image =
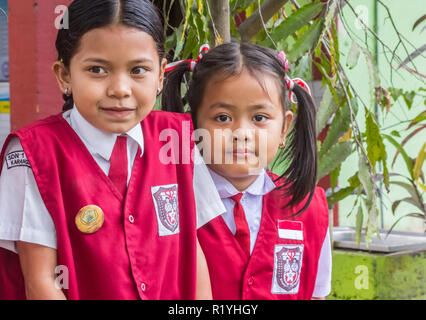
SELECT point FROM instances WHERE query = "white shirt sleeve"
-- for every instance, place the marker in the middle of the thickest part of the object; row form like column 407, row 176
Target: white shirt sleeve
column 207, row 200
column 323, row 281
column 23, row 215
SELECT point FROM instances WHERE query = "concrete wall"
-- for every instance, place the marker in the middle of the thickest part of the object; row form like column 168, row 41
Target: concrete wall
column 33, row 89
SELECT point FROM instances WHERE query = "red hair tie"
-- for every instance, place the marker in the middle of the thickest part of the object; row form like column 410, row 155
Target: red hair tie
column 290, row 82
column 192, row 63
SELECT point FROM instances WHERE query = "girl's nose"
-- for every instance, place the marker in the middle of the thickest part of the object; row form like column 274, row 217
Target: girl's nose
column 243, row 134
column 243, row 130
column 119, row 88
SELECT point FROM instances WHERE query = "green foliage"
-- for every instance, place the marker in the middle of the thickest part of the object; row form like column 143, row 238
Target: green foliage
column 296, row 21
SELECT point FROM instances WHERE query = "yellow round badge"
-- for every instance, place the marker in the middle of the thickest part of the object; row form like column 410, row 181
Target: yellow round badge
column 89, row 219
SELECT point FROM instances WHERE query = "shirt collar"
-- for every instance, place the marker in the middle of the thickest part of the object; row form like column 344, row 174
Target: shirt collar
column 261, row 186
column 99, row 141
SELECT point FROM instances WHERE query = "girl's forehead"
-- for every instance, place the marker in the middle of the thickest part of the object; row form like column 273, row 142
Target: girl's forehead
column 244, row 86
column 117, row 42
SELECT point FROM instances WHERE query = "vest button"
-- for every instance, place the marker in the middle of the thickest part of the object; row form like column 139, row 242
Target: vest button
column 143, row 286
column 250, row 281
column 131, row 219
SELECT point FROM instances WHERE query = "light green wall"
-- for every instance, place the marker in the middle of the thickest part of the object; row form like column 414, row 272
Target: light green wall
column 404, row 13
column 364, row 276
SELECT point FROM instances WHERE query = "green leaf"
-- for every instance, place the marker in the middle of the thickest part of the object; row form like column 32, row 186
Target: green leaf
column 413, row 215
column 419, row 118
column 413, row 202
column 308, row 40
column 297, row 20
column 404, row 154
column 327, row 108
column 338, row 127
column 408, row 187
column 333, row 158
column 353, row 55
column 395, row 93
column 408, row 98
column 370, row 199
column 279, row 165
column 373, row 74
column 395, row 133
column 376, row 150
column 419, row 162
column 358, row 224
column 179, row 43
column 334, row 176
column 339, row 195
column 304, row 68
column 354, row 181
column 190, row 43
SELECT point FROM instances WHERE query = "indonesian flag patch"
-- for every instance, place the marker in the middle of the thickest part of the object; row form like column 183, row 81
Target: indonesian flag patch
column 292, row 230
column 167, row 208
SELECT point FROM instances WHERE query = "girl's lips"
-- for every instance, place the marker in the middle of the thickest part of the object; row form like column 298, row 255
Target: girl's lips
column 241, row 153
column 118, row 111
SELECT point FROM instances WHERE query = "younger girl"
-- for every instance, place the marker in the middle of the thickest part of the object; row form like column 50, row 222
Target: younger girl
column 85, row 199
column 272, row 242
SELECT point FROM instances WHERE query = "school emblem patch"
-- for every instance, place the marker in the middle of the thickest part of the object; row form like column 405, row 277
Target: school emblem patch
column 167, row 208
column 287, row 266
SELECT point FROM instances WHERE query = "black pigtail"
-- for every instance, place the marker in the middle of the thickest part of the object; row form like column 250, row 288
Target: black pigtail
column 69, row 102
column 171, row 99
column 301, row 151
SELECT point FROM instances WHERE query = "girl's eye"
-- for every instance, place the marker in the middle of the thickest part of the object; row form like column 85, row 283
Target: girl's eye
column 138, row 70
column 259, row 118
column 223, row 118
column 97, row 69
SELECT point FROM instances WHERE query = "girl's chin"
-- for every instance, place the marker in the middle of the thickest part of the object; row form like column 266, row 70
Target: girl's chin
column 236, row 171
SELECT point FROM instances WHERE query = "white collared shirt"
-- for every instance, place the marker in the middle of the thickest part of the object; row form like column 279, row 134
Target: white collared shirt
column 23, row 214
column 252, row 204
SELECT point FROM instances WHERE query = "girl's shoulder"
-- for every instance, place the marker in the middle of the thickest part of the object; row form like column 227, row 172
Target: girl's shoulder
column 318, row 202
column 45, row 122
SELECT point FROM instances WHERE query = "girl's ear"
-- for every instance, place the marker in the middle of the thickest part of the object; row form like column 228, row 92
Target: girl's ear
column 62, row 76
column 162, row 71
column 288, row 119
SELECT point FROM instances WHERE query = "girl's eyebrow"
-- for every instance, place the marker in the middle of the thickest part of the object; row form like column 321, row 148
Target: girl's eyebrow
column 252, row 107
column 96, row 60
column 222, row 105
column 262, row 106
column 141, row 60
column 106, row 62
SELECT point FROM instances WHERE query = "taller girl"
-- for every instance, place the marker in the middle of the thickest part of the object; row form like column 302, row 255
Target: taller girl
column 85, row 200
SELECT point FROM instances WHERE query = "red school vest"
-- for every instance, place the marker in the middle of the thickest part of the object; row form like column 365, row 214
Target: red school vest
column 146, row 247
column 284, row 261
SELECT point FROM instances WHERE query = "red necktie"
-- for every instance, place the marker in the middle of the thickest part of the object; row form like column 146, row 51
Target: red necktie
column 118, row 169
column 243, row 233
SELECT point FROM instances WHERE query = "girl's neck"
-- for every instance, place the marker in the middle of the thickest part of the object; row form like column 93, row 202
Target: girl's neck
column 240, row 183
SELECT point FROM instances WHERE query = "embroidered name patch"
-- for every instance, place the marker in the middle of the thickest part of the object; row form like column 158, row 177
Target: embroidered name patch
column 287, row 266
column 290, row 229
column 167, row 208
column 17, row 159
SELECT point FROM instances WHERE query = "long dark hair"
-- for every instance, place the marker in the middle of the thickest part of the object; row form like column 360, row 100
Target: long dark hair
column 84, row 16
column 230, row 59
